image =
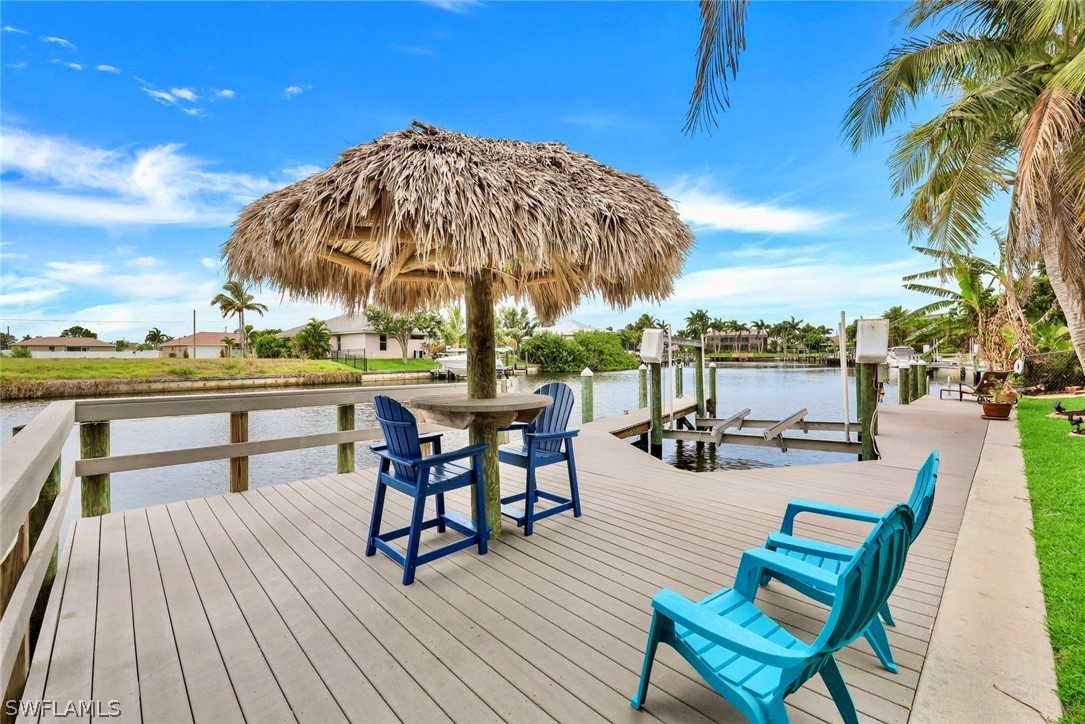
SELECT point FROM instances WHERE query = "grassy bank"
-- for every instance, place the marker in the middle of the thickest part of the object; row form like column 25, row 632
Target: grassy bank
column 47, row 378
column 1055, row 467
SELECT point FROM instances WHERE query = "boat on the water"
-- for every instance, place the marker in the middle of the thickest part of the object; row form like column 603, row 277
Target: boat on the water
column 453, row 364
column 901, row 355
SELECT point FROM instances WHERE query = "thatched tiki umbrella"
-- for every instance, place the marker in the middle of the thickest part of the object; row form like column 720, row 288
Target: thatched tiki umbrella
column 422, row 217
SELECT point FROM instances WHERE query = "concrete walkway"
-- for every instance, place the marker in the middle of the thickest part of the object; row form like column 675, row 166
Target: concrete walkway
column 990, row 658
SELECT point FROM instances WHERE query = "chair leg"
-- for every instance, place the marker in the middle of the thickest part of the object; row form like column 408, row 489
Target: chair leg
column 830, row 674
column 375, row 519
column 481, row 531
column 529, row 502
column 410, row 561
column 886, row 615
column 440, row 512
column 654, row 635
column 775, row 712
column 574, row 487
column 875, row 636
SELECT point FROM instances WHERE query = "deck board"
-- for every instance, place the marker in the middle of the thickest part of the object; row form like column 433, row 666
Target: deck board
column 261, row 606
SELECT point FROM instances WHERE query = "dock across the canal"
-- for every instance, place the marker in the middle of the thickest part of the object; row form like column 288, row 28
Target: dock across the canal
column 259, row 605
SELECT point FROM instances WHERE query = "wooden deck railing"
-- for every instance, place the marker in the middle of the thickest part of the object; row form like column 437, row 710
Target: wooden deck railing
column 34, row 490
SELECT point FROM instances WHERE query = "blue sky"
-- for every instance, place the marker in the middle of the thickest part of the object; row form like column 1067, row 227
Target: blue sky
column 134, row 132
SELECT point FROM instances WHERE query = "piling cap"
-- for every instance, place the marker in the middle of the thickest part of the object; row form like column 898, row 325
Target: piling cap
column 642, row 367
column 587, row 372
column 712, row 365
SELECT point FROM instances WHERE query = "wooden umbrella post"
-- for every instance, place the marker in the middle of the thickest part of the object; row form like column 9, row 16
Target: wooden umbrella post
column 482, row 384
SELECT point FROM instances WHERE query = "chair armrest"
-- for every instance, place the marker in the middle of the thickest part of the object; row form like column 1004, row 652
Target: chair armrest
column 542, row 436
column 463, row 452
column 777, row 541
column 725, row 633
column 515, row 426
column 382, row 451
column 828, row 509
column 756, row 561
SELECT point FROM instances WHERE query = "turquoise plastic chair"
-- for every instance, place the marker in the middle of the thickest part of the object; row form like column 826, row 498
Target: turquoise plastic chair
column 751, row 660
column 832, row 558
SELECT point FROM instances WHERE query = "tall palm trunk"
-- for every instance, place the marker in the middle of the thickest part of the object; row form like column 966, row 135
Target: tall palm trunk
column 1070, row 295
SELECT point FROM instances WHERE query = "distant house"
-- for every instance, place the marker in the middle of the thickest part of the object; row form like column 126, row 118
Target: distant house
column 569, row 327
column 351, row 334
column 65, row 344
column 204, row 345
column 736, row 340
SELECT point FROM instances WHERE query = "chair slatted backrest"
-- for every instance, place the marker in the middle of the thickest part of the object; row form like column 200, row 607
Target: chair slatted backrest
column 555, row 417
column 868, row 579
column 922, row 499
column 400, row 433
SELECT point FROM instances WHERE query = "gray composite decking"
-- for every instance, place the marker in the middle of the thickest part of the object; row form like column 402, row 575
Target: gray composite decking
column 261, row 606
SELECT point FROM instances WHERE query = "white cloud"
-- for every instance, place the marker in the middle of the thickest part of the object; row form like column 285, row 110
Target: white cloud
column 294, row 90
column 186, row 93
column 416, row 50
column 108, row 68
column 56, row 179
column 144, row 262
column 299, row 172
column 197, row 112
column 17, row 66
column 454, row 6
column 12, row 29
column 160, row 96
column 210, row 263
column 704, row 208
column 20, row 292
column 59, row 41
column 73, row 66
column 225, row 93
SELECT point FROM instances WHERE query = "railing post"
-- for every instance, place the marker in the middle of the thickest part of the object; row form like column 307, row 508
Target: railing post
column 655, row 443
column 699, row 381
column 904, row 383
column 10, row 571
column 712, row 389
column 919, row 380
column 239, row 467
column 587, row 395
column 94, row 489
column 642, row 397
column 345, row 463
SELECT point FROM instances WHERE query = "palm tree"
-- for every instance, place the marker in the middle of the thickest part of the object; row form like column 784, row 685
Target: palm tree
column 1015, row 76
column 787, row 329
column 760, row 326
column 455, row 326
column 236, row 300
column 697, row 323
column 156, row 337
column 313, row 340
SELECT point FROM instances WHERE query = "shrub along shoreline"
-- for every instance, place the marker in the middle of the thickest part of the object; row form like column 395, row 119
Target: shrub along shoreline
column 1055, row 469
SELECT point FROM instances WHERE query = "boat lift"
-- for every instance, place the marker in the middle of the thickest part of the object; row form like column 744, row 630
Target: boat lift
column 731, row 430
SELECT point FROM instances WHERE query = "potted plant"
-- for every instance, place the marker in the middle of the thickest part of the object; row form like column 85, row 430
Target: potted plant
column 1002, row 399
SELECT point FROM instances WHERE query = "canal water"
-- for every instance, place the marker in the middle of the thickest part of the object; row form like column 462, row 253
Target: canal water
column 770, row 391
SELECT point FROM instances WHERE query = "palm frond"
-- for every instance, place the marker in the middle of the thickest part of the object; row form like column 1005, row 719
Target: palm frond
column 723, row 38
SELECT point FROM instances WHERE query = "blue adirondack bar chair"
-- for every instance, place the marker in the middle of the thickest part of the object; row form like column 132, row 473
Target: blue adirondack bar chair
column 832, row 558
column 403, row 468
column 751, row 660
column 546, row 441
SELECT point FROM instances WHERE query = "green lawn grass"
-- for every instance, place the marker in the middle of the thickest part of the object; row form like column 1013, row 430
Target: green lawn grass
column 396, row 365
column 17, row 369
column 1055, row 467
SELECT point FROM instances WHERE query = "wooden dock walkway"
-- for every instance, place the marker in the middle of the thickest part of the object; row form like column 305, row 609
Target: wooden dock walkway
column 261, row 607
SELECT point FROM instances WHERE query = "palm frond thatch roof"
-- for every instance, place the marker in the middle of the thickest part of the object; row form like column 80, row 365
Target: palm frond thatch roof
column 405, row 220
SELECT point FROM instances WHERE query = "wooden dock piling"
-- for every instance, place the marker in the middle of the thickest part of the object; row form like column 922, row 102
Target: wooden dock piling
column 904, row 384
column 699, row 382
column 587, row 395
column 94, row 489
column 239, row 466
column 642, row 396
column 712, row 401
column 655, row 442
column 345, row 421
column 866, row 396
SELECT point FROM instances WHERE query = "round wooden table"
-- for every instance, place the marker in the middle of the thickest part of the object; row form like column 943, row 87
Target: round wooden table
column 482, row 416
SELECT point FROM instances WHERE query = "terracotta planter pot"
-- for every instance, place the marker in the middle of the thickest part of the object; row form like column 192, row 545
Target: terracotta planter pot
column 997, row 410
